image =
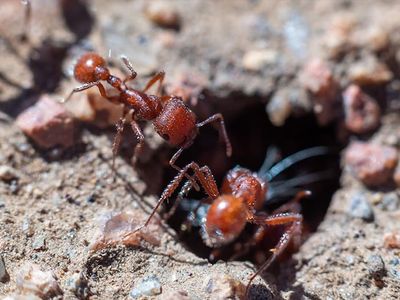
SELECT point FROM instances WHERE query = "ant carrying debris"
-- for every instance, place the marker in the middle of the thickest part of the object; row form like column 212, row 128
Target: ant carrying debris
column 242, row 198
column 171, row 118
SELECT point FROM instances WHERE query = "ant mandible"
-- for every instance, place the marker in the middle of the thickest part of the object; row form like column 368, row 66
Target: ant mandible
column 171, row 118
column 241, row 199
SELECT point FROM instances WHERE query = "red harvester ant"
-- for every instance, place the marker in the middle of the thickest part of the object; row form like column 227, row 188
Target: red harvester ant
column 171, row 118
column 241, row 199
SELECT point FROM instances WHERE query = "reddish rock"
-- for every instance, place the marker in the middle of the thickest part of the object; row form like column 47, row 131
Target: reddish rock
column 222, row 286
column 163, row 14
column 362, row 113
column 188, row 86
column 48, row 124
column 396, row 175
column 392, row 240
column 317, row 78
column 372, row 164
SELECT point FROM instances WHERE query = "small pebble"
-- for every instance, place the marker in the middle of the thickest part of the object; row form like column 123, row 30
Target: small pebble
column 395, row 273
column 4, row 277
column 39, row 243
column 362, row 113
column 32, row 280
column 360, row 207
column 390, row 202
column 224, row 287
column 150, row 286
column 163, row 13
column 91, row 198
column 48, row 124
column 296, row 33
column 79, row 286
column 7, row 173
column 279, row 108
column 371, row 163
column 14, row 187
column 350, row 259
column 376, row 266
column 27, row 227
column 317, row 78
column 369, row 71
column 257, row 60
column 391, row 240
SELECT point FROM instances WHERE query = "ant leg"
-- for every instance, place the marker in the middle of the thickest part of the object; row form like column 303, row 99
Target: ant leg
column 28, row 16
column 118, row 136
column 208, row 181
column 169, row 190
column 278, row 219
column 294, row 204
column 293, row 207
column 86, row 86
column 158, row 77
column 117, row 140
column 257, row 237
column 140, row 137
column 80, row 89
column 183, row 192
column 173, row 160
column 220, row 118
column 128, row 64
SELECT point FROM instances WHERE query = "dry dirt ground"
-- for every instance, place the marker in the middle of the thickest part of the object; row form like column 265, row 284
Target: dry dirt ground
column 51, row 211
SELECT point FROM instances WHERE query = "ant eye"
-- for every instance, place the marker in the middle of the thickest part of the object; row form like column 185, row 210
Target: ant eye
column 165, row 136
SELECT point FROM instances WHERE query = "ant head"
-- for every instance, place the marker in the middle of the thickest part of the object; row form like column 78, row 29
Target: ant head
column 225, row 220
column 90, row 67
column 246, row 185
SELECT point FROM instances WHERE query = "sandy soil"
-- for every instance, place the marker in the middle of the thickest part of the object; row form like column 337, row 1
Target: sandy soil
column 51, row 210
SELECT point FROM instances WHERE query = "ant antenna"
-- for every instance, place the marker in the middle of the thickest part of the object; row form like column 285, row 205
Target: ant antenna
column 291, row 160
column 283, row 188
column 270, row 158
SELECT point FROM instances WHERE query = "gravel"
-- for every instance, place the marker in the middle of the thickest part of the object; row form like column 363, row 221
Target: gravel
column 360, row 207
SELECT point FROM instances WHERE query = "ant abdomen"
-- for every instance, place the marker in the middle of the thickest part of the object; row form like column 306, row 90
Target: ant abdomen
column 90, row 68
column 226, row 218
column 176, row 123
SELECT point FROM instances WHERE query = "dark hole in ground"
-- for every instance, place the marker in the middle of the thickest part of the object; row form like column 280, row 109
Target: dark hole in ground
column 251, row 134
